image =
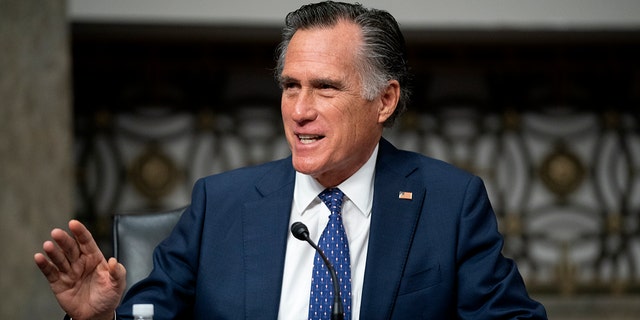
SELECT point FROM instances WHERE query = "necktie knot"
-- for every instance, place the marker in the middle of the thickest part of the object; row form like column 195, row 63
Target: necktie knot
column 332, row 197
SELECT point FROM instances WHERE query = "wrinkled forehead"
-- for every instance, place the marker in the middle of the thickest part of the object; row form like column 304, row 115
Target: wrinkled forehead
column 340, row 42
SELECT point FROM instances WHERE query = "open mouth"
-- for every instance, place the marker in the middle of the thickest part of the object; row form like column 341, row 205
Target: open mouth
column 309, row 138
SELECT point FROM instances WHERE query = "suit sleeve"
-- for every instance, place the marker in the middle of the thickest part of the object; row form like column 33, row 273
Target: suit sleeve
column 171, row 284
column 489, row 284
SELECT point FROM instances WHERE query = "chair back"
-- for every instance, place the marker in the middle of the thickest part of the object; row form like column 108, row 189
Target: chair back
column 135, row 236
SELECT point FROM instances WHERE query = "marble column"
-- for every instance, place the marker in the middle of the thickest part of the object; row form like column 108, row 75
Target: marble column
column 36, row 173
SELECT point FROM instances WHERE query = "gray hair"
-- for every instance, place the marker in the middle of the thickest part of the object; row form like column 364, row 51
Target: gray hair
column 383, row 54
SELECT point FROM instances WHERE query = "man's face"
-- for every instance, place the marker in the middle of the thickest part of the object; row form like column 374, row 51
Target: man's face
column 330, row 128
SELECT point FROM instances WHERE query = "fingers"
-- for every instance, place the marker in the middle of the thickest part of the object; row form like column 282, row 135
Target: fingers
column 84, row 239
column 67, row 248
column 66, row 251
column 46, row 267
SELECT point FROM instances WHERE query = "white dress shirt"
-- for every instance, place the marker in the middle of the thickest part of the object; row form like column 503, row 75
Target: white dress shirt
column 309, row 209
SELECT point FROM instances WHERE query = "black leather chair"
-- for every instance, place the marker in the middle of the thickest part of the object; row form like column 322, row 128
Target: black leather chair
column 135, row 236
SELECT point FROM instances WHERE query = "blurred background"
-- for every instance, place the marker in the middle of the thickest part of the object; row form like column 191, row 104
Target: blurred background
column 119, row 106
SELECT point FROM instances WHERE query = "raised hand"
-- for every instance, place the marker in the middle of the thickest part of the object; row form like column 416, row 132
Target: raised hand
column 86, row 285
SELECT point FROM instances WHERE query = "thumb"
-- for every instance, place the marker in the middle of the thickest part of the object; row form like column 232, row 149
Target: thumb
column 117, row 272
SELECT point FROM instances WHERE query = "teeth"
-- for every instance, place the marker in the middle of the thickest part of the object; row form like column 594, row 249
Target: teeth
column 305, row 138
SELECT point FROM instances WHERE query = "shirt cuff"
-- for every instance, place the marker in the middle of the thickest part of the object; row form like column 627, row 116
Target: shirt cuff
column 115, row 316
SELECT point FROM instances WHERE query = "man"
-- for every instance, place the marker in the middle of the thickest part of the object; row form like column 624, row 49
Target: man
column 422, row 237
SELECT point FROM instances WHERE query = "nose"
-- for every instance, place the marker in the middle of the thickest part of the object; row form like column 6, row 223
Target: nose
column 303, row 107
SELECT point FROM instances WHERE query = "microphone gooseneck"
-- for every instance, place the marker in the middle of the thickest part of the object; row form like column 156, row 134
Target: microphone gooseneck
column 301, row 232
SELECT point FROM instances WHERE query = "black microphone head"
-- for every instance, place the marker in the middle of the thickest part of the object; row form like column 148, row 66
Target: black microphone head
column 300, row 231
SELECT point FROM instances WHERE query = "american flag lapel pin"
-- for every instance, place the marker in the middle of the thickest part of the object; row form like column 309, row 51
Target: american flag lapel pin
column 405, row 195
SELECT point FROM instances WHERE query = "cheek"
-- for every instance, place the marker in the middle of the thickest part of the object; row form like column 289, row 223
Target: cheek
column 284, row 109
column 354, row 133
column 363, row 122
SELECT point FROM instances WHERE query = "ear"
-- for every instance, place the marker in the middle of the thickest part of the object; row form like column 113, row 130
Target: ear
column 389, row 100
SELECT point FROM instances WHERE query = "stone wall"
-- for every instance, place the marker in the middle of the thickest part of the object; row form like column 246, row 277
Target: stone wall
column 35, row 148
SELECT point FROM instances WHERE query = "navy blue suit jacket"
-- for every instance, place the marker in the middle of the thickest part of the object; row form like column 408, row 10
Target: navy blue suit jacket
column 435, row 256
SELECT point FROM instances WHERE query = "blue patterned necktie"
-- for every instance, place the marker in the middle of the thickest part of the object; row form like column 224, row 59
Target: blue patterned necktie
column 335, row 246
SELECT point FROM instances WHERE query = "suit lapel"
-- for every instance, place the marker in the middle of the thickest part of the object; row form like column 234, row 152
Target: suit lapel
column 265, row 233
column 393, row 221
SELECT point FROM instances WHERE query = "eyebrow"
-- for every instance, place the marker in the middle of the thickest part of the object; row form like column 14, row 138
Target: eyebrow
column 283, row 79
column 319, row 82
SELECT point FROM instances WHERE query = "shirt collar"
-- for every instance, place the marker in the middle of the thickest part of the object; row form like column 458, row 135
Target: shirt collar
column 307, row 188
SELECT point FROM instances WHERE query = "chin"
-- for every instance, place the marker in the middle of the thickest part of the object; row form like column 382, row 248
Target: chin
column 306, row 166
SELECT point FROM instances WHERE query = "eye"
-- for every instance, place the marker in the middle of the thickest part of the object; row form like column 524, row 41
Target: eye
column 288, row 83
column 326, row 86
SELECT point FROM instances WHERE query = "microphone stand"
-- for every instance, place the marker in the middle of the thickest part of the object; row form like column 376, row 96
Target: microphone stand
column 301, row 232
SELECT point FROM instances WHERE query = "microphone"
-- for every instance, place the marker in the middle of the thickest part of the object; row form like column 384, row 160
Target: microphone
column 301, row 232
